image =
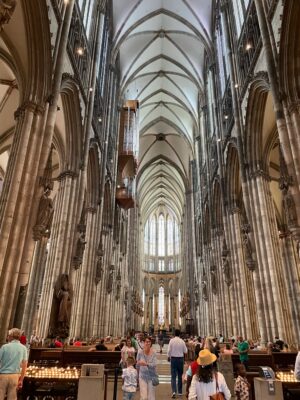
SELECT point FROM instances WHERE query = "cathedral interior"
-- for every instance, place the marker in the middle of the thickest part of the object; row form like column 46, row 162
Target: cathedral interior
column 150, row 167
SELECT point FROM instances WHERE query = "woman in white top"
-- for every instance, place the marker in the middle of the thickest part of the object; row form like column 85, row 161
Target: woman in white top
column 207, row 381
column 127, row 351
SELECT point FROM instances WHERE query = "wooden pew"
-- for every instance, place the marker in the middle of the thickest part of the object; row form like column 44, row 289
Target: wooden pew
column 74, row 357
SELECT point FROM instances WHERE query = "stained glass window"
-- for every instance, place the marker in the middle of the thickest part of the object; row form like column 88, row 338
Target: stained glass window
column 161, row 305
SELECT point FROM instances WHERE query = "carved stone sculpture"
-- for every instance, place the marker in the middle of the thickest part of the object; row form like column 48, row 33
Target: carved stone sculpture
column 204, row 290
column 80, row 247
column 7, row 7
column 110, row 279
column 213, row 277
column 64, row 296
column 247, row 245
column 290, row 209
column 44, row 216
column 99, row 270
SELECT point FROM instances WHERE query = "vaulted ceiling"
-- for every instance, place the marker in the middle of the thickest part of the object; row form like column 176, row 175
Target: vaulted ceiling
column 161, row 46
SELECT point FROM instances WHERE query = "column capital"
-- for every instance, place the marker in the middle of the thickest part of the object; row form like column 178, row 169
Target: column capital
column 260, row 173
column 30, row 106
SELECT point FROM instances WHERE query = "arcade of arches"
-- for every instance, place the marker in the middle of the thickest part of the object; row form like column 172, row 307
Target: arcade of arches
column 149, row 167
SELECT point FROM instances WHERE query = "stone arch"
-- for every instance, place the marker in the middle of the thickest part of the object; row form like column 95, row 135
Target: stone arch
column 289, row 53
column 258, row 97
column 31, row 21
column 73, row 124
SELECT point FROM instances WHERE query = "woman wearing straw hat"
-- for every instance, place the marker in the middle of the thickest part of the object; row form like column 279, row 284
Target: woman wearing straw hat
column 207, row 381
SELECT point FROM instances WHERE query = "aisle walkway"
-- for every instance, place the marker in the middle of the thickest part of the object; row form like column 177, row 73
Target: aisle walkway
column 163, row 390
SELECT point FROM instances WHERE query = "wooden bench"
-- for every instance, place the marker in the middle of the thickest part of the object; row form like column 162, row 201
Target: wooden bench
column 73, row 357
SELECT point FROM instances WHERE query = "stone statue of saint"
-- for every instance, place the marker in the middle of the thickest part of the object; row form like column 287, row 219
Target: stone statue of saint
column 226, row 270
column 213, row 276
column 80, row 247
column 204, row 290
column 64, row 296
column 110, row 279
column 99, row 269
column 44, row 216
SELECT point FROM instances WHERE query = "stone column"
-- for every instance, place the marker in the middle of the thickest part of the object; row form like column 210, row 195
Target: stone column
column 287, row 139
column 16, row 199
column 61, row 246
column 35, row 286
column 81, row 312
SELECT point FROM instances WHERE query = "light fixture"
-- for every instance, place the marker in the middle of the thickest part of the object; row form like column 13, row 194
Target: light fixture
column 99, row 119
column 248, row 46
column 80, row 51
column 236, row 85
column 225, row 116
column 90, row 89
column 219, row 140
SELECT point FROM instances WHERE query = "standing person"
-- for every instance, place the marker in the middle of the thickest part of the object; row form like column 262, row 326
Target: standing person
column 241, row 386
column 129, row 377
column 127, row 351
column 176, row 351
column 243, row 349
column 34, row 339
column 146, row 364
column 140, row 342
column 160, row 338
column 13, row 364
column 23, row 339
column 207, row 381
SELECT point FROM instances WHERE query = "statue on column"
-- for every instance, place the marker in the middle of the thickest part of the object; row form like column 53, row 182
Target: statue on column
column 204, row 290
column 42, row 227
column 247, row 245
column 110, row 279
column 80, row 247
column 213, row 277
column 7, row 7
column 227, row 271
column 44, row 216
column 64, row 295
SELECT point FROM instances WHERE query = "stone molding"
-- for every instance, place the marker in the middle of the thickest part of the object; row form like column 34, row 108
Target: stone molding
column 67, row 173
column 30, row 106
column 260, row 173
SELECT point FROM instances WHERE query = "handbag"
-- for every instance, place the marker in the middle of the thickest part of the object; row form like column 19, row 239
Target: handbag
column 153, row 375
column 218, row 395
column 155, row 379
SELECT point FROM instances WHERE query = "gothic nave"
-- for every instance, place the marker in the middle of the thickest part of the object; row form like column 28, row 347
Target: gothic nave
column 150, row 168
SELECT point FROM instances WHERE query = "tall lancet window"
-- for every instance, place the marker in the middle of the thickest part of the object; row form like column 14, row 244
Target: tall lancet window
column 161, row 235
column 161, row 305
column 146, row 238
column 176, row 233
column 170, row 235
column 153, row 236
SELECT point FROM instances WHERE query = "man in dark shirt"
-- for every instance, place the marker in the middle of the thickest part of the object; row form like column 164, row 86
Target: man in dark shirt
column 279, row 343
column 101, row 346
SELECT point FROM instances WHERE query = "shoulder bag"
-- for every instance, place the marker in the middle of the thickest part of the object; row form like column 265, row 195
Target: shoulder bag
column 153, row 374
column 218, row 395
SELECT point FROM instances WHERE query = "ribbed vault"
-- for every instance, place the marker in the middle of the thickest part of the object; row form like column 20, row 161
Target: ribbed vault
column 161, row 46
